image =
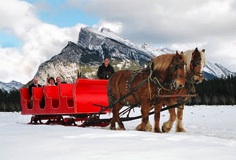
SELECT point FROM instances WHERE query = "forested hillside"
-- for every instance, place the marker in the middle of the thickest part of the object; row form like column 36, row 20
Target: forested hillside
column 10, row 101
column 216, row 92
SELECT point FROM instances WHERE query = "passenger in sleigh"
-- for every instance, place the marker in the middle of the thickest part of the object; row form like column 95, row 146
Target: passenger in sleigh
column 59, row 81
column 105, row 70
column 31, row 86
column 34, row 84
column 51, row 82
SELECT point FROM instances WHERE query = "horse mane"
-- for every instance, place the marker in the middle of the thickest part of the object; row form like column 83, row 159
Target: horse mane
column 203, row 57
column 188, row 56
column 161, row 64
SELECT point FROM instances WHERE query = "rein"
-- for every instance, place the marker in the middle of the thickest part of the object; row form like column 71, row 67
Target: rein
column 127, row 118
column 177, row 105
column 156, row 81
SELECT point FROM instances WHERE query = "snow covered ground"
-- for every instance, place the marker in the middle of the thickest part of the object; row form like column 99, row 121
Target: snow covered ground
column 211, row 134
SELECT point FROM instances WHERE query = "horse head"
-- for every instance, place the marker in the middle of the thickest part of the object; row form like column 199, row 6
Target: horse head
column 169, row 69
column 177, row 71
column 195, row 63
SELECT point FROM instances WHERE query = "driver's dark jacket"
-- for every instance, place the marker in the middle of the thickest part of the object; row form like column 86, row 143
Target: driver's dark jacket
column 105, row 72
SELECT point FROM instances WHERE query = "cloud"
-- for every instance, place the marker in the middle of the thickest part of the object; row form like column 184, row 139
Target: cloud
column 41, row 41
column 164, row 17
column 181, row 24
column 116, row 27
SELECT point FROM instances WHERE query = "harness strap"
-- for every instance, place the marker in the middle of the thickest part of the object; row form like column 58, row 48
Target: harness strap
column 128, row 94
column 131, row 81
column 190, row 82
column 177, row 105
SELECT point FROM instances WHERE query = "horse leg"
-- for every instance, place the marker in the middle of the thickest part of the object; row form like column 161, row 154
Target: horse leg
column 113, row 124
column 157, row 118
column 179, row 125
column 148, row 127
column 166, row 127
column 145, row 117
column 117, row 117
column 115, row 113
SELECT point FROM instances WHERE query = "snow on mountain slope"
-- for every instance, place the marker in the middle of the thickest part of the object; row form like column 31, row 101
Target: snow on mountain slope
column 218, row 70
column 13, row 85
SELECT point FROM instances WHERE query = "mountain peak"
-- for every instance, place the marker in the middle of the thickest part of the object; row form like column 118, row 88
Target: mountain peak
column 92, row 46
column 13, row 85
column 218, row 70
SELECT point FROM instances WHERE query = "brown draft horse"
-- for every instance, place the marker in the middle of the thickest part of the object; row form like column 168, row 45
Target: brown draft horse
column 195, row 62
column 166, row 72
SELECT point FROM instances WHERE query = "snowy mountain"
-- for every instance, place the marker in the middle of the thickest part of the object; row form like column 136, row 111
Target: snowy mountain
column 92, row 46
column 13, row 85
column 215, row 70
column 88, row 54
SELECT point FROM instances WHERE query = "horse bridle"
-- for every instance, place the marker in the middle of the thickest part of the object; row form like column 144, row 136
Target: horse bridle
column 190, row 77
column 172, row 83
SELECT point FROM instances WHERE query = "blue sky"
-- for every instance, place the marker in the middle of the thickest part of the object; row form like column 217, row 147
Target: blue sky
column 56, row 12
column 32, row 31
column 9, row 40
column 59, row 13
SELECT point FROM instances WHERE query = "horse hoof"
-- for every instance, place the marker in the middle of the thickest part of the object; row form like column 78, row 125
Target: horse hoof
column 148, row 127
column 112, row 128
column 157, row 130
column 180, row 130
column 138, row 127
column 164, row 129
column 122, row 128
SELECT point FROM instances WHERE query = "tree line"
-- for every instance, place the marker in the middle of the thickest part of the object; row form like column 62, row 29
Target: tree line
column 216, row 92
column 10, row 101
column 210, row 92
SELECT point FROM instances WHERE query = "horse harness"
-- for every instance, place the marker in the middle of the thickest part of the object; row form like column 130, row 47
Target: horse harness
column 190, row 75
column 130, row 91
column 148, row 79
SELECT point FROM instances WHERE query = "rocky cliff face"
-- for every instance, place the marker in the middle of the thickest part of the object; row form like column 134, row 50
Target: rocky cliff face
column 88, row 54
column 109, row 44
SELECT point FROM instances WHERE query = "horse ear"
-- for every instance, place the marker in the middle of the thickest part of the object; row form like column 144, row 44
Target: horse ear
column 203, row 50
column 177, row 53
column 196, row 49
